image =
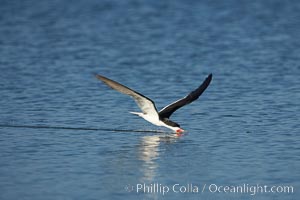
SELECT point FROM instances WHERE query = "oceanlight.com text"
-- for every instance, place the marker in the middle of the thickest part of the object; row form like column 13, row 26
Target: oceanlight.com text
column 164, row 189
column 249, row 189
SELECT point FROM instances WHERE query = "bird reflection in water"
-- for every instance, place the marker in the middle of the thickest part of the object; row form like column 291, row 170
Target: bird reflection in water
column 149, row 151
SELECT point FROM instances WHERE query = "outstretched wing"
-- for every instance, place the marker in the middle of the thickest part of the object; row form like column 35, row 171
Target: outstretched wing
column 167, row 111
column 145, row 104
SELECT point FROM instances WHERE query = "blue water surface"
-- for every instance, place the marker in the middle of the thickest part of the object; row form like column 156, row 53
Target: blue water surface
column 65, row 135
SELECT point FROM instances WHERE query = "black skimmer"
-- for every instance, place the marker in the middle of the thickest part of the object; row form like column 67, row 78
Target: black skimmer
column 149, row 111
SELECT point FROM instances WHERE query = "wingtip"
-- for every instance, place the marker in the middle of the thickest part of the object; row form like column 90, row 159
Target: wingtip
column 98, row 76
column 209, row 77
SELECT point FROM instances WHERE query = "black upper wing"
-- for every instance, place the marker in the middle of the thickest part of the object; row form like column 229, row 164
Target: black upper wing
column 167, row 111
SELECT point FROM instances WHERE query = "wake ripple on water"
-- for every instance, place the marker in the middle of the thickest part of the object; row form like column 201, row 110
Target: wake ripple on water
column 80, row 128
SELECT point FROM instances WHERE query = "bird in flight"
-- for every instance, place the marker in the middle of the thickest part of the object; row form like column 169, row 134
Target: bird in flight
column 148, row 108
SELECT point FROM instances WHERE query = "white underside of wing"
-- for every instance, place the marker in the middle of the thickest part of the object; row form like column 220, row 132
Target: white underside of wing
column 145, row 105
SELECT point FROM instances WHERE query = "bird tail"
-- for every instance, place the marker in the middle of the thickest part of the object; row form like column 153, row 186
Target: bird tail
column 136, row 113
